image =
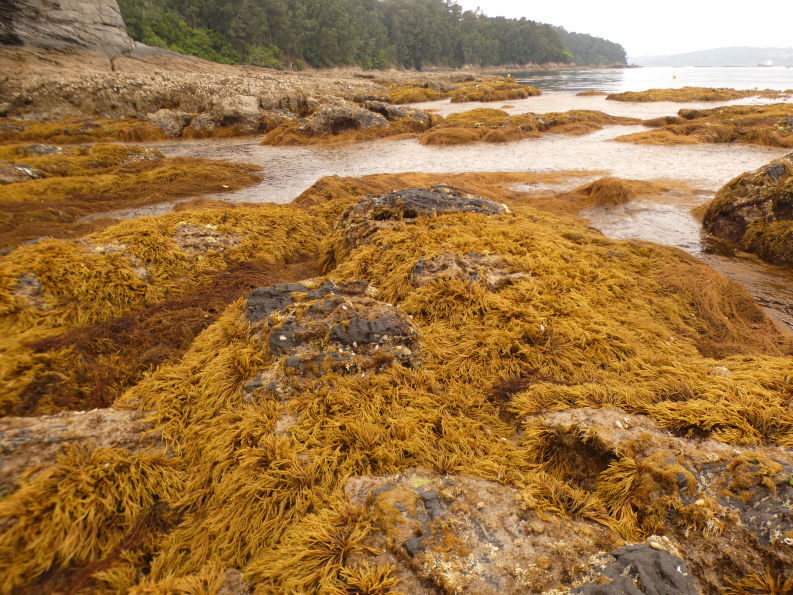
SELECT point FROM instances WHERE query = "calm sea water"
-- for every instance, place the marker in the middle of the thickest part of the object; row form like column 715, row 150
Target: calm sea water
column 639, row 79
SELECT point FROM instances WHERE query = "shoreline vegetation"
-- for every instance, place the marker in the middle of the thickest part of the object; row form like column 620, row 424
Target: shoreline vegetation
column 373, row 35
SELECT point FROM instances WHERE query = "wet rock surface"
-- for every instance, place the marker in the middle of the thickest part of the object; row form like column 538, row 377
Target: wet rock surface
column 455, row 534
column 640, row 569
column 34, row 442
column 313, row 328
column 338, row 115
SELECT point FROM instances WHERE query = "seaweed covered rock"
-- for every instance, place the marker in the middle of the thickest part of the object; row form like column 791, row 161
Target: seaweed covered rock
column 549, row 401
column 682, row 94
column 459, row 534
column 497, row 126
column 338, row 115
column 726, row 508
column 312, row 328
column 375, row 212
column 11, row 173
column 389, row 111
column 34, row 443
column 490, row 269
column 755, row 211
column 766, row 125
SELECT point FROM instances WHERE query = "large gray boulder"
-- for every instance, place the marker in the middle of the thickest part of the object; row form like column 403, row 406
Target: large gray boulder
column 171, row 122
column 238, row 110
column 90, row 24
column 338, row 115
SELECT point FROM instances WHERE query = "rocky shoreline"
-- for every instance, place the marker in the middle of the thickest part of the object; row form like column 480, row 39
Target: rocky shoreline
column 404, row 383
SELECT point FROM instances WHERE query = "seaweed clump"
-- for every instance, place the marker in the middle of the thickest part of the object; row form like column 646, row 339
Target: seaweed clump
column 755, row 211
column 766, row 125
column 691, row 94
column 92, row 179
column 497, row 126
column 84, row 319
column 503, row 89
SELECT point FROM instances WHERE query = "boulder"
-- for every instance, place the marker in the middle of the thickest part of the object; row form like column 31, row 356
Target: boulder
column 238, row 110
column 338, row 115
column 458, row 534
column 359, row 223
column 755, row 211
column 91, row 24
column 725, row 509
column 170, row 121
column 15, row 172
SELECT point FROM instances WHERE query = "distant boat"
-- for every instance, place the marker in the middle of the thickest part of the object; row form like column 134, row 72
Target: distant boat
column 766, row 63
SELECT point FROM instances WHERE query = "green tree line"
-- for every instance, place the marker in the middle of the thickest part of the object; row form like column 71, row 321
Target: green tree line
column 369, row 33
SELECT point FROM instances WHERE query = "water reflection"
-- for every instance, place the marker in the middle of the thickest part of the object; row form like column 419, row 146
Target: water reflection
column 613, row 80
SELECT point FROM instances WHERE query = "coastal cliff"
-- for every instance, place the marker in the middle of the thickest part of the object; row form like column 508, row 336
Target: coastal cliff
column 90, row 24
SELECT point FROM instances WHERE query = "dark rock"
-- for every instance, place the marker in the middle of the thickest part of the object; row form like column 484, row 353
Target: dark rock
column 338, row 115
column 14, row 172
column 310, row 329
column 265, row 300
column 391, row 112
column 413, row 546
column 640, row 569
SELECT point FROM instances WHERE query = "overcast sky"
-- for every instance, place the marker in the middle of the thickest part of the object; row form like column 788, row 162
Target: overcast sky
column 669, row 27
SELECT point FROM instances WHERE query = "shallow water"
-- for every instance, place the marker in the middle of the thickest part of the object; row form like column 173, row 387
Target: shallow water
column 562, row 101
column 616, row 80
column 672, row 224
column 291, row 170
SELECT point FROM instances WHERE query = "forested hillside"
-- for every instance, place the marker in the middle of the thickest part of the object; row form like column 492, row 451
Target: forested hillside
column 589, row 50
column 369, row 33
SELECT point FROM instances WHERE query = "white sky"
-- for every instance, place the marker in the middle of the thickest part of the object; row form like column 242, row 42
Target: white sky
column 650, row 28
